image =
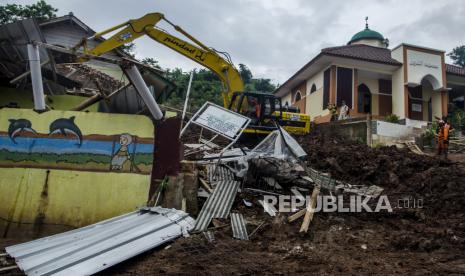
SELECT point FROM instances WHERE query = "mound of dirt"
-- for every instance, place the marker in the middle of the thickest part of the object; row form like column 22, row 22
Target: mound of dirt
column 439, row 182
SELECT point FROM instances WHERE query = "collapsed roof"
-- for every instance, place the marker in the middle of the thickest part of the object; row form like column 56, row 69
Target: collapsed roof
column 64, row 77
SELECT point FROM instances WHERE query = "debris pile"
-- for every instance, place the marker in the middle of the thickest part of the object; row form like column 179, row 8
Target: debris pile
column 93, row 80
column 428, row 238
column 439, row 182
column 238, row 231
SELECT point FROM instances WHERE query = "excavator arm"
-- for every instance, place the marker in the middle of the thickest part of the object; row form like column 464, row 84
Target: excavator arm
column 133, row 29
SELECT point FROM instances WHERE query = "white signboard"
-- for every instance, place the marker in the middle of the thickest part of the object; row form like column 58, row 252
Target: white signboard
column 422, row 64
column 416, row 107
column 221, row 120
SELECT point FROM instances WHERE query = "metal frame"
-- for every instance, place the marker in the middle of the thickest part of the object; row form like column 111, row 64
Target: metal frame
column 203, row 108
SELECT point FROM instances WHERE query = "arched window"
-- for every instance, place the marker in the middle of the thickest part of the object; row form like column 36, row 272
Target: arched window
column 364, row 99
column 313, row 89
column 298, row 96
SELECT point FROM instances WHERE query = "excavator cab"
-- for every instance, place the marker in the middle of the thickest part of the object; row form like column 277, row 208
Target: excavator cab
column 265, row 110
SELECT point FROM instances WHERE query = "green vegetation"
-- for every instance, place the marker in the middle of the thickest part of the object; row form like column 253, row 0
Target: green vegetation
column 206, row 86
column 392, row 118
column 429, row 135
column 12, row 12
column 457, row 120
column 458, row 55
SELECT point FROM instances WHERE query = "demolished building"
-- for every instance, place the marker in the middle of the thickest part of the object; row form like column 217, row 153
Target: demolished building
column 71, row 165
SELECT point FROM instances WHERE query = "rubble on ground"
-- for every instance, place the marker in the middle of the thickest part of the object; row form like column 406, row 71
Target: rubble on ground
column 419, row 240
column 238, row 236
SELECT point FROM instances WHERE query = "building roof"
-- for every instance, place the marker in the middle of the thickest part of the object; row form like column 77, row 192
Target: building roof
column 455, row 70
column 366, row 34
column 90, row 249
column 65, row 18
column 357, row 52
column 363, row 52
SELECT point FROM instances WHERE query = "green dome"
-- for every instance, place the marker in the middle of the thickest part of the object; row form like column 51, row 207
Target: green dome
column 367, row 34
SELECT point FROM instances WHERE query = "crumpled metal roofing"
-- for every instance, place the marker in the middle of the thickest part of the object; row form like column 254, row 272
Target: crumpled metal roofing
column 238, row 226
column 218, row 204
column 93, row 248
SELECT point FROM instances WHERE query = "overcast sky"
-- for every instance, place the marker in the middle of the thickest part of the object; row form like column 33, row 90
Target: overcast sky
column 276, row 38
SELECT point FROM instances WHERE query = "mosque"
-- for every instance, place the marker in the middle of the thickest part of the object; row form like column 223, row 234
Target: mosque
column 414, row 82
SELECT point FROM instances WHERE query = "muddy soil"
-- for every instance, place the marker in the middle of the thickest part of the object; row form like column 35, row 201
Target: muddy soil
column 440, row 182
column 416, row 241
column 384, row 244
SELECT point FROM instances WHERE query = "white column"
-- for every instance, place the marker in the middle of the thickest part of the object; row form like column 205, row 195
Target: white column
column 36, row 77
column 187, row 99
column 136, row 79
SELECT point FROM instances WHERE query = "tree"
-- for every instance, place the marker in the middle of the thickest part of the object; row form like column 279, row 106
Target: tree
column 151, row 62
column 129, row 48
column 458, row 56
column 245, row 72
column 12, row 12
column 264, row 85
column 206, row 86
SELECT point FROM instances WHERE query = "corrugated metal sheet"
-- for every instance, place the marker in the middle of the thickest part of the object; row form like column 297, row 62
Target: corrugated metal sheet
column 98, row 246
column 218, row 205
column 272, row 183
column 238, row 226
column 221, row 173
column 13, row 40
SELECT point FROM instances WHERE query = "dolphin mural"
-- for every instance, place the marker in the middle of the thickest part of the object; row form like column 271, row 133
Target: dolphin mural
column 65, row 126
column 18, row 125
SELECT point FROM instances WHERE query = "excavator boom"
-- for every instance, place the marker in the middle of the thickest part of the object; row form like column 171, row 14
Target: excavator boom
column 199, row 53
column 208, row 57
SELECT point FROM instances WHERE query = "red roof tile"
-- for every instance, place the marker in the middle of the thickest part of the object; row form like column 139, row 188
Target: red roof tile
column 455, row 70
column 362, row 52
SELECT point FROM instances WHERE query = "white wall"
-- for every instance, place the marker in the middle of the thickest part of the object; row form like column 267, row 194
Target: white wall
column 286, row 98
column 392, row 130
column 314, row 101
column 370, row 42
column 421, row 64
column 398, row 99
column 415, row 123
column 436, row 105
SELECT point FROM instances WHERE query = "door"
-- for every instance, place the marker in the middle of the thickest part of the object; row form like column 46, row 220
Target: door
column 364, row 99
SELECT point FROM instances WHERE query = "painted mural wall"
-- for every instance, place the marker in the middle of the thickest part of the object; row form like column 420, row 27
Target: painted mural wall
column 74, row 141
column 71, row 168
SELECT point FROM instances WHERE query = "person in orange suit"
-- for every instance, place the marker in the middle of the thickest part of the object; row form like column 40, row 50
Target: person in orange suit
column 443, row 137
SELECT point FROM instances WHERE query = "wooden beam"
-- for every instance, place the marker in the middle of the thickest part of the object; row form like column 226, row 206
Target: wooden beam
column 25, row 74
column 117, row 91
column 88, row 102
column 310, row 210
column 332, row 84
column 96, row 98
column 296, row 215
column 3, row 269
column 205, row 185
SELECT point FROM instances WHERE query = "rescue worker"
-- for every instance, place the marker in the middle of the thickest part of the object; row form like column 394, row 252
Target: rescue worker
column 443, row 137
column 254, row 110
column 344, row 111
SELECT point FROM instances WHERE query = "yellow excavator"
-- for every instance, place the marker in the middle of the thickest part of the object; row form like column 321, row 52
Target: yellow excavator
column 263, row 108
